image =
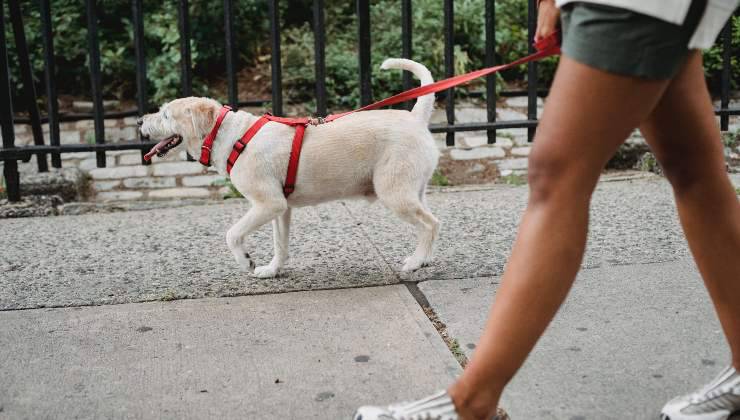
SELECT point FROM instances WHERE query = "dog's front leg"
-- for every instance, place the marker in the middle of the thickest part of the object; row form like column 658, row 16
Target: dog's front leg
column 280, row 235
column 257, row 216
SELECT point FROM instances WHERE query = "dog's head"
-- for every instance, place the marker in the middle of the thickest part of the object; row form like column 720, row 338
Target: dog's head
column 184, row 120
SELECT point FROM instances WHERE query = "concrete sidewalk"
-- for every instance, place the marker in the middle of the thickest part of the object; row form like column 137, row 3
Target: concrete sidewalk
column 636, row 330
column 306, row 355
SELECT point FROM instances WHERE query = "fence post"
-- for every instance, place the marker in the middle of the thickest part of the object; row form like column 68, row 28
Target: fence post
column 95, row 78
column 490, row 29
column 724, row 119
column 24, row 61
column 449, row 28
column 183, row 23
column 531, row 70
column 10, row 169
column 407, row 43
column 363, row 31
column 137, row 11
column 276, row 67
column 50, row 79
column 230, row 58
column 319, row 43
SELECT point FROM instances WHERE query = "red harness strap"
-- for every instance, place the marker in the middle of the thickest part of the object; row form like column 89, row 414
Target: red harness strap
column 295, row 151
column 205, row 149
column 545, row 47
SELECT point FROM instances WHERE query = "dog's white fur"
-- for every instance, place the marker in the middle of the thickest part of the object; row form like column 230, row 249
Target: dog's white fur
column 385, row 154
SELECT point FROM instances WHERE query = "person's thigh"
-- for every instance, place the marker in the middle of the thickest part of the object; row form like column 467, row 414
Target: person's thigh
column 588, row 114
column 682, row 130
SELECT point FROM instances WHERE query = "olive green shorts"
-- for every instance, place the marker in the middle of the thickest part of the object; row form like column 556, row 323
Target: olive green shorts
column 625, row 42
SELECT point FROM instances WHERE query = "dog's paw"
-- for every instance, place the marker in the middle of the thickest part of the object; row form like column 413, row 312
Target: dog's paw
column 265, row 272
column 413, row 263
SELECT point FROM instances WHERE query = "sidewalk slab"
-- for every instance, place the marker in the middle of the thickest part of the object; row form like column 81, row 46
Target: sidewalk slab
column 305, row 355
column 632, row 222
column 627, row 340
column 164, row 254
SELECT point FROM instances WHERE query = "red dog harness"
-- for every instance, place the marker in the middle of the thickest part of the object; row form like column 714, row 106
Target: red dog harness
column 545, row 47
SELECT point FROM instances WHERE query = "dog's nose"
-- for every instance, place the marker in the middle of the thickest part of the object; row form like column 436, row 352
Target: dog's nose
column 140, row 121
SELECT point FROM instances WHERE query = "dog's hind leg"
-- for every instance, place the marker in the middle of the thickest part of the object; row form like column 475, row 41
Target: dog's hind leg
column 406, row 203
column 258, row 215
column 280, row 236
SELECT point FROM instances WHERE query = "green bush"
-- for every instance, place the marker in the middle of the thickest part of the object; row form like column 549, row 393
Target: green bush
column 428, row 46
column 162, row 44
column 252, row 31
column 713, row 59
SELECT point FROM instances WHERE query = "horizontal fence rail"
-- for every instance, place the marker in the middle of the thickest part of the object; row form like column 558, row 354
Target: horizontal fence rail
column 10, row 153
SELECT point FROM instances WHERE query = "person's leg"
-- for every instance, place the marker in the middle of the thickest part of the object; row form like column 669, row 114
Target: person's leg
column 683, row 134
column 588, row 114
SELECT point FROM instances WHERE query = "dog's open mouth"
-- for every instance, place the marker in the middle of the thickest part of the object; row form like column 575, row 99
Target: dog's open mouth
column 164, row 146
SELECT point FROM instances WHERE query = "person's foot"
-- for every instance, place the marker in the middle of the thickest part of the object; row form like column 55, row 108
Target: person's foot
column 717, row 400
column 434, row 407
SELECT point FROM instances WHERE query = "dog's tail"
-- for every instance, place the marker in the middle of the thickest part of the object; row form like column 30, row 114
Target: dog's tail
column 425, row 104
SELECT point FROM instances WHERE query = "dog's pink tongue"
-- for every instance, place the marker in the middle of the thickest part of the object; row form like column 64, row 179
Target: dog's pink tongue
column 157, row 147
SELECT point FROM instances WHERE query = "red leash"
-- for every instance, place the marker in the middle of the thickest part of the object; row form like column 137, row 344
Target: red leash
column 545, row 47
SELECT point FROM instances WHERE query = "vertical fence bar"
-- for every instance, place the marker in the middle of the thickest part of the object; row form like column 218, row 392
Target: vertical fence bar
column 27, row 76
column 49, row 78
column 95, row 78
column 230, row 56
column 490, row 62
column 319, row 44
column 407, row 43
column 449, row 28
column 10, row 168
column 183, row 23
column 363, row 32
column 531, row 69
column 277, row 70
column 137, row 10
column 724, row 119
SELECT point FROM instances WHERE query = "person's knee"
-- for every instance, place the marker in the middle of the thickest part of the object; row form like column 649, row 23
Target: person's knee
column 682, row 173
column 552, row 175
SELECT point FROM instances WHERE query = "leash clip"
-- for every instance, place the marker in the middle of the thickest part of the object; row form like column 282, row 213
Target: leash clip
column 316, row 121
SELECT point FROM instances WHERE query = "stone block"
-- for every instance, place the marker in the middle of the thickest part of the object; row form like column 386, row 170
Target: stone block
column 114, row 134
column 469, row 142
column 149, row 182
column 69, row 137
column 110, row 122
column 513, row 164
column 21, row 129
column 200, row 181
column 92, row 163
column 521, row 151
column 485, row 152
column 130, row 121
column 105, row 185
column 77, row 155
column 119, row 195
column 504, row 142
column 180, row 193
column 85, row 125
column 130, row 158
column 177, row 168
column 521, row 102
column 119, row 172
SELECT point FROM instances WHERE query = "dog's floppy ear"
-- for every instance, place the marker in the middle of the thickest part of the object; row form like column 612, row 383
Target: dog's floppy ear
column 203, row 115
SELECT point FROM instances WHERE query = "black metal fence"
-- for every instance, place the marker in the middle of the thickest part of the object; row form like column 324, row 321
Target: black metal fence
column 11, row 154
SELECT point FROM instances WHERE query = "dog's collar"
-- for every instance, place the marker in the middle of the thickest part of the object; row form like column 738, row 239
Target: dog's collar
column 207, row 147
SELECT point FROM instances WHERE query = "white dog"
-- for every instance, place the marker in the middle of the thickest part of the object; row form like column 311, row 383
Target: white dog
column 384, row 154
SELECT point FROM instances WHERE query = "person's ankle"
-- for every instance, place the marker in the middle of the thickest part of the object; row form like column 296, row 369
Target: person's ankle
column 473, row 404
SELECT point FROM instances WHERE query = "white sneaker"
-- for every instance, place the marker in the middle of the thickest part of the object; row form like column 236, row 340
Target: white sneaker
column 718, row 400
column 435, row 407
